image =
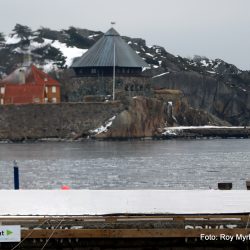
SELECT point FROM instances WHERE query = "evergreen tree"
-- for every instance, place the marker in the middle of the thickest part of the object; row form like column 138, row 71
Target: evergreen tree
column 24, row 32
column 2, row 39
column 75, row 39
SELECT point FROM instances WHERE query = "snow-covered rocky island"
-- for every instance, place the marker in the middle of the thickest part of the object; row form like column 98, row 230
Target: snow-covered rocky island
column 155, row 91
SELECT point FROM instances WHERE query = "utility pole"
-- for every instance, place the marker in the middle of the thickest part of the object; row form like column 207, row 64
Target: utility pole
column 114, row 75
column 113, row 23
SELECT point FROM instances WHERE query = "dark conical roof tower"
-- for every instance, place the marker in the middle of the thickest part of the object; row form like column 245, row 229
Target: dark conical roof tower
column 101, row 54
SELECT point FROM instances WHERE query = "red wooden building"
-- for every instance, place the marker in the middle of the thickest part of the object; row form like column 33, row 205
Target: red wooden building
column 29, row 85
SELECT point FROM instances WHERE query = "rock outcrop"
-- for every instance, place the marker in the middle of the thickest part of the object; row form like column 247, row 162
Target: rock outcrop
column 225, row 100
column 147, row 117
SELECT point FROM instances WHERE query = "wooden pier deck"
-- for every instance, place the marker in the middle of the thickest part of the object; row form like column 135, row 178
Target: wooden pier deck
column 127, row 219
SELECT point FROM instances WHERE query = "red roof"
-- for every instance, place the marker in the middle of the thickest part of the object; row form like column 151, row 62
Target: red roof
column 30, row 75
column 23, row 93
column 37, row 76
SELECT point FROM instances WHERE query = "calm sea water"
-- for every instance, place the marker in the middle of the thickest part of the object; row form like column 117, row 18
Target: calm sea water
column 171, row 164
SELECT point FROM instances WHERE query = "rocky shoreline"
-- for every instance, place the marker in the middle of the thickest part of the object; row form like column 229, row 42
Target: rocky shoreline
column 205, row 132
column 137, row 118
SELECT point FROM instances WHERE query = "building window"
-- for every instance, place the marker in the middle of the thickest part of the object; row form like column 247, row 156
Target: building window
column 1, row 101
column 2, row 90
column 93, row 71
column 45, row 100
column 53, row 89
column 46, row 89
column 54, row 100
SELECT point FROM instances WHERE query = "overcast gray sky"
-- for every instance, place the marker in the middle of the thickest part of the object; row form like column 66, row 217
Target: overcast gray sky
column 212, row 28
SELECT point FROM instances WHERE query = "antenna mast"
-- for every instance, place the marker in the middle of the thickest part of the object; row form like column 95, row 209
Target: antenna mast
column 113, row 23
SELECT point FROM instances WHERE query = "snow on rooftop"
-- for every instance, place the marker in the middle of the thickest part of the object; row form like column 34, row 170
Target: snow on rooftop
column 103, row 202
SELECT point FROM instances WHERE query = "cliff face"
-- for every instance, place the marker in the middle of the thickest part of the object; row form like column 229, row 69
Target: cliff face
column 225, row 100
column 147, row 117
column 141, row 118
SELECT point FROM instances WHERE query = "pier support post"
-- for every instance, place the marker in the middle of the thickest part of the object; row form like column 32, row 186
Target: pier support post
column 16, row 176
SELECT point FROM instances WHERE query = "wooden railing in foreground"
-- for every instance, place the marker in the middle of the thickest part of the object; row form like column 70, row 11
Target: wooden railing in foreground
column 132, row 226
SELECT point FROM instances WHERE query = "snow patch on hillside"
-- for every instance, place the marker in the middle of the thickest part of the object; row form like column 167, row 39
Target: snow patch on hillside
column 165, row 73
column 12, row 39
column 69, row 52
column 104, row 128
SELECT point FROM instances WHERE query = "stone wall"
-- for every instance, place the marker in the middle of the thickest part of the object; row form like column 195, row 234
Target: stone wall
column 78, row 87
column 65, row 120
column 134, row 118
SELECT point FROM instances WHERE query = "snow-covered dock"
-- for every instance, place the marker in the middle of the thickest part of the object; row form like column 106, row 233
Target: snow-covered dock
column 206, row 131
column 73, row 218
column 108, row 202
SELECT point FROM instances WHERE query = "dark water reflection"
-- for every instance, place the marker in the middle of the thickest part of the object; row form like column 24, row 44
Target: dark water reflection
column 173, row 164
